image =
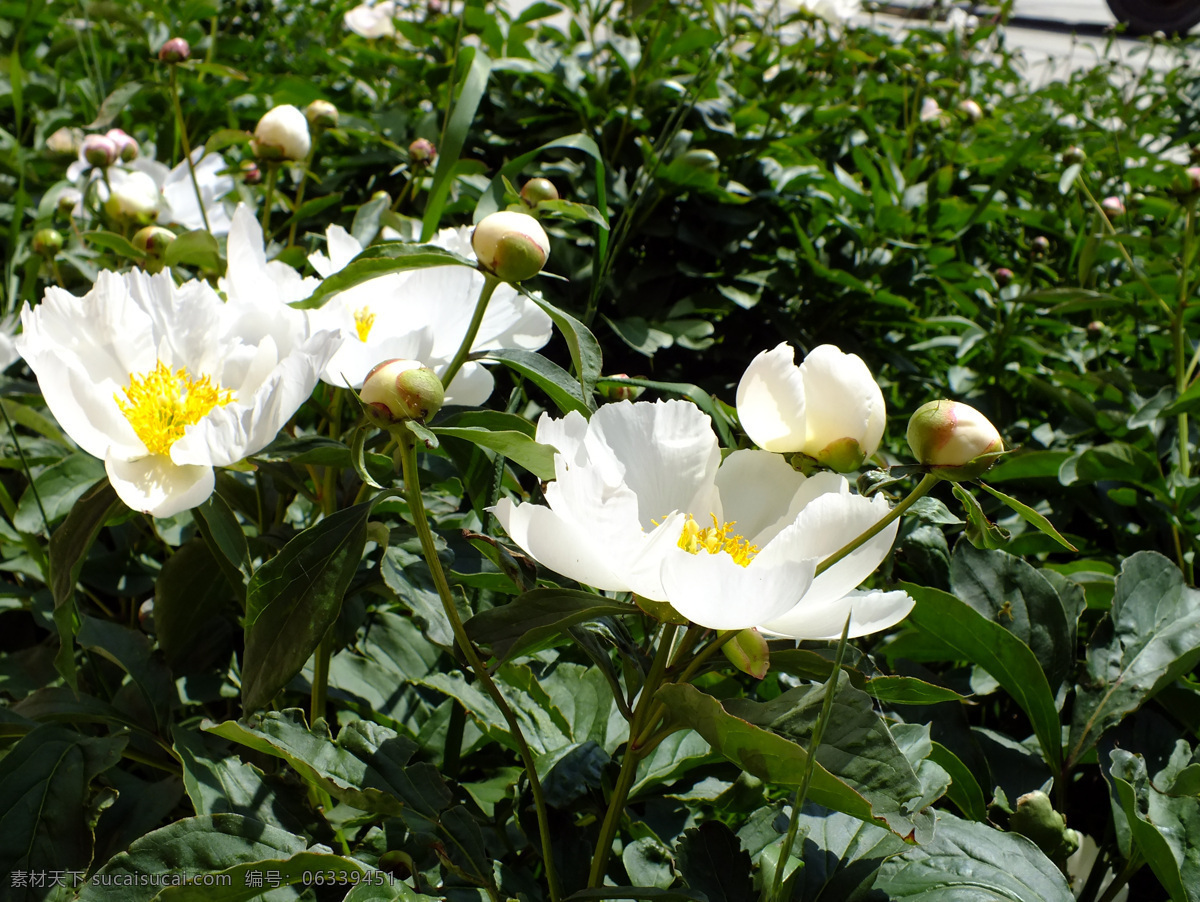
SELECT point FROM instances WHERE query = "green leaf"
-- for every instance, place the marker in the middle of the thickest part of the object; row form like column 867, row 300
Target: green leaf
column 46, row 802
column 585, row 350
column 964, row 791
column 636, row 894
column 1150, row 638
column 58, row 487
column 189, row 848
column 1164, row 826
column 981, row 532
column 711, row 861
column 1067, row 180
column 970, row 861
column 1008, row 591
column 518, row 447
column 389, row 890
column 892, row 690
column 191, row 598
column 68, row 547
column 561, row 387
column 222, row 531
column 492, row 198
column 111, row 241
column 198, row 249
column 226, row 137
column 243, row 882
column 565, row 209
column 294, row 598
column 378, row 260
column 1001, row 654
column 367, row 767
column 111, row 108
column 648, row 863
column 526, row 622
column 1030, row 515
column 474, row 85
column 366, row 219
column 884, row 787
column 133, row 652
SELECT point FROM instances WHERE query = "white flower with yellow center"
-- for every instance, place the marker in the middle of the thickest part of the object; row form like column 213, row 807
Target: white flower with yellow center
column 423, row 315
column 165, row 382
column 642, row 503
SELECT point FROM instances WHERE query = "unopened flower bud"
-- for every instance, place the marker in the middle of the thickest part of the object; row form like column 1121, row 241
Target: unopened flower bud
column 321, row 114
column 512, row 246
column 1036, row 819
column 422, row 151
column 1193, row 177
column 701, row 159
column 251, row 174
column 1004, row 276
column 1095, row 329
column 382, row 196
column 1040, row 245
column 175, row 50
column 613, row 391
column 127, row 146
column 399, row 390
column 100, row 150
column 146, row 616
column 1073, row 155
column 954, row 439
column 153, row 240
column 535, row 191
column 47, row 242
column 971, row 110
column 281, row 134
column 135, row 198
column 748, row 652
column 1112, row 205
column 65, row 141
column 67, row 201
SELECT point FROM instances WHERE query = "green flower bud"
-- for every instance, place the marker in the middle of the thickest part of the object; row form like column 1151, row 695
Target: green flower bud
column 399, row 390
column 842, row 456
column 512, row 246
column 534, row 191
column 47, row 242
column 321, row 114
column 1036, row 819
column 701, row 159
column 153, row 241
column 748, row 652
column 953, row 439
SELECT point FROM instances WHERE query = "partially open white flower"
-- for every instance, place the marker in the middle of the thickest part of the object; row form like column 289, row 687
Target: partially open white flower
column 372, row 20
column 281, row 134
column 165, row 382
column 829, row 407
column 642, row 503
column 423, row 315
column 134, row 197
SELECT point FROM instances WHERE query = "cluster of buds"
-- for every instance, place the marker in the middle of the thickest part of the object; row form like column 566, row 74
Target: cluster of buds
column 511, row 246
column 105, row 150
column 954, row 440
column 281, row 134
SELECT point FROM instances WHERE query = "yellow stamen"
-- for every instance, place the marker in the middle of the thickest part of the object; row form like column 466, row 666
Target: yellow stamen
column 162, row 403
column 715, row 539
column 364, row 319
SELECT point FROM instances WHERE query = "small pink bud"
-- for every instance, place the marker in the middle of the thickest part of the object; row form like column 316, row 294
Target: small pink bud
column 1112, row 205
column 1193, row 174
column 176, row 50
column 971, row 110
column 251, row 174
column 422, row 151
column 1004, row 276
column 127, row 146
column 100, row 150
column 1040, row 245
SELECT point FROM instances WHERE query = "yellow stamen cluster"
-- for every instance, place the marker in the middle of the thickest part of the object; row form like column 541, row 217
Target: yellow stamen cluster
column 715, row 539
column 364, row 319
column 162, row 403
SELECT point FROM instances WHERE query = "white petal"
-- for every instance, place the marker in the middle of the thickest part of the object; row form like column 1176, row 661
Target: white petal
column 869, row 612
column 666, row 452
column 566, row 434
column 471, row 386
column 157, row 486
column 343, row 247
column 756, row 489
column 771, row 401
column 558, row 544
column 843, row 401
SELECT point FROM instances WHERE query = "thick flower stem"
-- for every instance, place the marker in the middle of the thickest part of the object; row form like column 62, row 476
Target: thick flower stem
column 490, row 283
column 416, row 504
column 272, row 173
column 923, row 487
column 181, row 130
column 633, row 756
column 809, row 764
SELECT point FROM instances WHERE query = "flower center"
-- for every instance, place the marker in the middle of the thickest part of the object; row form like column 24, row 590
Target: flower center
column 715, row 539
column 364, row 319
column 162, row 403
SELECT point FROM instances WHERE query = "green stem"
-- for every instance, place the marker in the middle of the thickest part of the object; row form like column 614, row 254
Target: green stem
column 810, row 762
column 633, row 755
column 1133, row 267
column 181, row 130
column 460, row 357
column 1178, row 335
column 272, row 172
column 416, row 504
column 308, row 162
column 923, row 487
column 320, row 683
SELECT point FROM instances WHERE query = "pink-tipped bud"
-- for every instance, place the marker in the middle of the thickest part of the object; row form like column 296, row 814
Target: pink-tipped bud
column 399, row 390
column 1193, row 176
column 175, row 50
column 1112, row 205
column 535, row 191
column 953, row 439
column 511, row 246
column 422, row 151
column 748, row 652
column 153, row 240
column 100, row 150
column 1004, row 276
column 1040, row 245
column 251, row 174
column 321, row 114
column 127, row 146
column 971, row 110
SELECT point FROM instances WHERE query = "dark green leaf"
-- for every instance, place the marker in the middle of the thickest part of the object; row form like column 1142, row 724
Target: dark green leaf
column 711, row 862
column 981, row 532
column 516, row 446
column 528, row 620
column 191, row 600
column 1030, row 515
column 198, row 249
column 58, row 487
column 113, row 104
column 557, row 383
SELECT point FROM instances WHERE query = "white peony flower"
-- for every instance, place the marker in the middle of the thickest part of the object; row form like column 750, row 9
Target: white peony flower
column 642, row 503
column 249, row 277
column 372, row 20
column 829, row 407
column 833, row 11
column 423, row 315
column 165, row 382
column 134, row 197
